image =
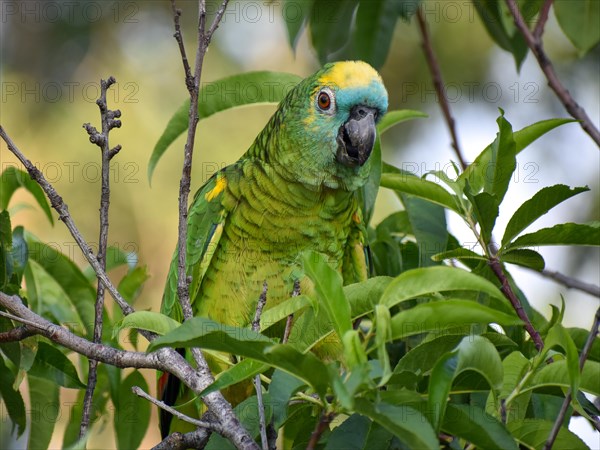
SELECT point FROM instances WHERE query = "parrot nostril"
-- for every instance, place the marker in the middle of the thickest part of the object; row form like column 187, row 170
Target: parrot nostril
column 361, row 111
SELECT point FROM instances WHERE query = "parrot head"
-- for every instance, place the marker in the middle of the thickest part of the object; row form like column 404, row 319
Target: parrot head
column 324, row 131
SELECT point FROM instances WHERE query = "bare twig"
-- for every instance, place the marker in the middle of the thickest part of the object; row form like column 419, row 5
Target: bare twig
column 537, row 48
column 262, row 301
column 496, row 267
column 438, row 83
column 571, row 282
column 16, row 334
column 109, row 120
column 319, row 429
column 215, row 427
column 542, row 19
column 567, row 401
column 290, row 319
column 196, row 380
column 177, row 441
column 164, row 359
column 62, row 209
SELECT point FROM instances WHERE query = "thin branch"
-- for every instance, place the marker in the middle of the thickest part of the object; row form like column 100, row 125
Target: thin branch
column 567, row 401
column 571, row 282
column 537, row 48
column 216, row 21
column 322, row 425
column 62, row 209
column 262, row 301
column 290, row 319
column 215, row 401
column 496, row 267
column 177, row 441
column 542, row 19
column 438, row 83
column 215, row 427
column 16, row 334
column 109, row 121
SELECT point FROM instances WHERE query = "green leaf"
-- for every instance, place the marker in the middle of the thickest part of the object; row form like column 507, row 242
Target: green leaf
column 368, row 193
column 428, row 223
column 204, row 333
column 132, row 413
column 410, row 184
column 281, row 311
column 524, row 257
column 350, row 435
column 485, row 209
column 19, row 253
column 383, row 326
column 375, row 23
column 243, row 370
column 249, row 88
column 73, row 284
column 444, row 315
column 579, row 336
column 392, row 118
column 146, row 320
column 561, row 234
column 458, row 253
column 354, row 353
column 330, row 25
column 542, row 202
column 13, row 402
column 132, row 283
column 557, row 374
column 283, row 386
column 295, row 13
column 477, row 171
column 51, row 363
column 423, row 357
column 559, row 337
column 45, row 410
column 502, row 162
column 533, row 433
column 408, row 424
column 579, row 20
column 473, row 353
column 419, row 282
column 496, row 19
column 476, row 426
column 12, row 179
column 328, row 288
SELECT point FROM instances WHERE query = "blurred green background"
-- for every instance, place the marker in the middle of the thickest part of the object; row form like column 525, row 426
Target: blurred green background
column 53, row 54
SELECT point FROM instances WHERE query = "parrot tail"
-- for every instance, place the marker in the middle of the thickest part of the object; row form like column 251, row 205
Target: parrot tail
column 168, row 391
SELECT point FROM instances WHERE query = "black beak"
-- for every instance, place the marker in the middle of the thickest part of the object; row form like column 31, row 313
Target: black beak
column 357, row 136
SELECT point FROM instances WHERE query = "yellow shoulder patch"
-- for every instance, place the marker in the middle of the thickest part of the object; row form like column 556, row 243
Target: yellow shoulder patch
column 347, row 74
column 220, row 186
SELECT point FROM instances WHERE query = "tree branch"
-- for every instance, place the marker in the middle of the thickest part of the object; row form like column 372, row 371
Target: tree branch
column 496, row 267
column 571, row 282
column 215, row 400
column 199, row 423
column 16, row 334
column 319, row 429
column 101, row 140
column 438, row 83
column 178, row 441
column 542, row 19
column 257, row 384
column 535, row 44
column 567, row 401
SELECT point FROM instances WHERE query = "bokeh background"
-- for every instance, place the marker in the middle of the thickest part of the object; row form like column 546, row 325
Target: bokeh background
column 53, row 54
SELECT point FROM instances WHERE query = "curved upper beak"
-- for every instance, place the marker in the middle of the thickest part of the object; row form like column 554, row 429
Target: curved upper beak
column 356, row 137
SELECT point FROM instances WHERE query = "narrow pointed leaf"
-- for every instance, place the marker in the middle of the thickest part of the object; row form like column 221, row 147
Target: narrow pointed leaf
column 397, row 116
column 562, row 234
column 533, row 434
column 51, row 363
column 12, row 179
column 410, row 184
column 146, row 320
column 542, row 202
column 132, row 413
column 408, row 424
column 328, row 287
column 249, row 88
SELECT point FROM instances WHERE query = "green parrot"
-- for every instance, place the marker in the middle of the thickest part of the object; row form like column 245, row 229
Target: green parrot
column 294, row 190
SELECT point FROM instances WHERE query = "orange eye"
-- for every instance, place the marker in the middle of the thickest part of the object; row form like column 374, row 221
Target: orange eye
column 324, row 101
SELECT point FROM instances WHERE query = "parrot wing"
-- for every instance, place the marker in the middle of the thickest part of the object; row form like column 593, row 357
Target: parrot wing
column 206, row 219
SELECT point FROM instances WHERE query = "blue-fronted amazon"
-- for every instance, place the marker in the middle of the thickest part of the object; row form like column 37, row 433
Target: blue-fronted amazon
column 295, row 189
